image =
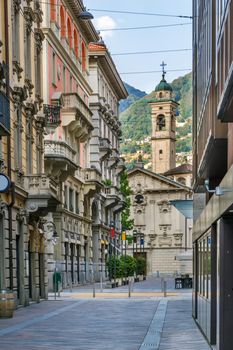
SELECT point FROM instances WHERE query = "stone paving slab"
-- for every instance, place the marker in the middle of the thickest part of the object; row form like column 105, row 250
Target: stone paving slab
column 180, row 330
column 87, row 325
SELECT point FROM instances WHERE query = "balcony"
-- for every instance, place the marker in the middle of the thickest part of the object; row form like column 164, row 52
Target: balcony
column 93, row 181
column 114, row 158
column 120, row 166
column 113, row 196
column 43, row 193
column 59, row 159
column 77, row 116
column 52, row 116
column 105, row 148
column 120, row 205
column 4, row 114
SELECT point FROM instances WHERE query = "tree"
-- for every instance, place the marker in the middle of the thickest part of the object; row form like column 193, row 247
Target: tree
column 127, row 223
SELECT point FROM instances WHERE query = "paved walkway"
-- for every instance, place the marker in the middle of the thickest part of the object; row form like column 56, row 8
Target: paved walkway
column 144, row 322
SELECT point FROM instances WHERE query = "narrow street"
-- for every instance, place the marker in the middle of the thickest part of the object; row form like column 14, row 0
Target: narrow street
column 110, row 321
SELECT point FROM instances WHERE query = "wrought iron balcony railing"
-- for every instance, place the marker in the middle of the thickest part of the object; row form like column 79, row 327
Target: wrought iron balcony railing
column 4, row 114
column 52, row 115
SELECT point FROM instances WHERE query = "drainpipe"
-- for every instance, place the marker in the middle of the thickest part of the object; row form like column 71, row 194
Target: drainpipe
column 9, row 154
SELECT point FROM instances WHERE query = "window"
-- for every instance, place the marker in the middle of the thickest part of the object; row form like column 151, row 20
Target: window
column 29, row 142
column 15, row 32
column 54, row 69
column 161, row 123
column 71, row 85
column 64, row 79
column 18, row 139
column 83, row 56
column 160, row 154
column 53, row 10
column 27, row 53
column 69, row 33
column 71, row 199
column 65, row 197
column 75, row 43
column 63, row 22
column 77, row 202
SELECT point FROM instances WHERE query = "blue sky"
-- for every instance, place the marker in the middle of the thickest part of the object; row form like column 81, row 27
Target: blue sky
column 155, row 39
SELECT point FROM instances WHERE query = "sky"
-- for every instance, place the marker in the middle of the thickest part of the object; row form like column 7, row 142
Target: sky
column 153, row 39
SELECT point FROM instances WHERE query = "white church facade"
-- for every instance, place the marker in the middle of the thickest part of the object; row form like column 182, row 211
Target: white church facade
column 165, row 233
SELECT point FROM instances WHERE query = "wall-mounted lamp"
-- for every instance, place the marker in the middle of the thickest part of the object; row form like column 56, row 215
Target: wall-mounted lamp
column 85, row 15
column 218, row 191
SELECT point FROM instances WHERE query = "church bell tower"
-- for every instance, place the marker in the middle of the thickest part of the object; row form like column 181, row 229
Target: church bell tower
column 163, row 138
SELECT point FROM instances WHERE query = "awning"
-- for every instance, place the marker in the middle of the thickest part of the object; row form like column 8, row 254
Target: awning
column 185, row 207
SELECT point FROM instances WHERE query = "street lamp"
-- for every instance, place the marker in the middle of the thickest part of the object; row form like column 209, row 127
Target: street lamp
column 85, row 15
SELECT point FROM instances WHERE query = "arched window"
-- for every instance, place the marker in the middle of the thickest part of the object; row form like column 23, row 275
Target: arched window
column 161, row 123
column 53, row 10
column 75, row 42
column 160, row 95
column 69, row 33
column 83, row 56
column 181, row 180
column 63, row 22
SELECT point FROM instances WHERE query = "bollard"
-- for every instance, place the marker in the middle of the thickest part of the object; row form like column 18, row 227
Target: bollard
column 59, row 289
column 165, row 288
column 162, row 284
column 101, row 283
column 129, row 288
column 93, row 289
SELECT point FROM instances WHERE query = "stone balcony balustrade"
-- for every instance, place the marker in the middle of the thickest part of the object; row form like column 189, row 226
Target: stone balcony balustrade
column 60, row 159
column 77, row 116
column 43, row 193
column 113, row 197
column 120, row 166
column 105, row 148
column 114, row 158
column 93, row 180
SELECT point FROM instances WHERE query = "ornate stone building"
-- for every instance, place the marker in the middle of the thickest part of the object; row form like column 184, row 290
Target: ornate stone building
column 31, row 194
column 56, row 173
column 67, row 150
column 105, row 159
column 167, row 233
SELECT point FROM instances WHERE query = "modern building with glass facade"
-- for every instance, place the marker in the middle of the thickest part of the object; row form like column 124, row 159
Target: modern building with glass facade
column 213, row 169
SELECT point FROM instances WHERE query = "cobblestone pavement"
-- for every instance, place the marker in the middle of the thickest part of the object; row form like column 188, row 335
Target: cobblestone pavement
column 147, row 322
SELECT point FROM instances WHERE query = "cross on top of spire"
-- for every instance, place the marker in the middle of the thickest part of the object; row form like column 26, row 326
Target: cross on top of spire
column 163, row 65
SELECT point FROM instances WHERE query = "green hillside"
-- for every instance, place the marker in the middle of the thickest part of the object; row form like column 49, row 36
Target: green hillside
column 136, row 119
column 134, row 95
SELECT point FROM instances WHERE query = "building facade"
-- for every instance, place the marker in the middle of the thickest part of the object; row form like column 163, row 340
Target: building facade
column 213, row 157
column 32, row 193
column 46, row 124
column 167, row 234
column 108, row 90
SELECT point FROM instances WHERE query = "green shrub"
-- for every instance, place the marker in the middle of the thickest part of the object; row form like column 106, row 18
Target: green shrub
column 111, row 264
column 140, row 265
column 128, row 265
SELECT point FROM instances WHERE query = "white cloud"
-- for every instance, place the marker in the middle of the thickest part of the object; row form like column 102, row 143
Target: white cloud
column 105, row 22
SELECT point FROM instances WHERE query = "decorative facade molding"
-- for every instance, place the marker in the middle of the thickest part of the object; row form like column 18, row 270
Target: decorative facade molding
column 39, row 37
column 17, row 69
column 29, row 18
column 16, row 4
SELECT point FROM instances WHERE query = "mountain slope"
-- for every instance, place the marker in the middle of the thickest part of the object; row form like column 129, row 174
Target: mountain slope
column 136, row 119
column 134, row 95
